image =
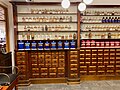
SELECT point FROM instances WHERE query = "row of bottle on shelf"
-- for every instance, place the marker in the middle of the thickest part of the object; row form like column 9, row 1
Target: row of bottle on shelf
column 100, row 19
column 45, row 36
column 48, row 28
column 98, row 35
column 34, row 45
column 49, row 11
column 111, row 20
column 101, row 12
column 93, row 43
column 101, row 28
column 47, row 19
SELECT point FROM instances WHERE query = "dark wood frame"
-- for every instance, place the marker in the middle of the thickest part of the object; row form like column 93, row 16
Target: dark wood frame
column 6, row 27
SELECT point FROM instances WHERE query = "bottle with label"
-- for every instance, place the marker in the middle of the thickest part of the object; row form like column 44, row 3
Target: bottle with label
column 27, row 45
column 53, row 45
column 60, row 46
column 47, row 45
column 72, row 44
column 109, row 35
column 66, row 45
column 34, row 45
column 40, row 45
column 103, row 20
column 20, row 45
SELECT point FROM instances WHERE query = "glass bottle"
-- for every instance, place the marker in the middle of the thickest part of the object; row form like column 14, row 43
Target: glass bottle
column 20, row 45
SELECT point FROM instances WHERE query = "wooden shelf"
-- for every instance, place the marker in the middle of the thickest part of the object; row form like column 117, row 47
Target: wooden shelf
column 101, row 39
column 48, row 31
column 99, row 23
column 100, row 31
column 48, row 50
column 100, row 47
column 51, row 40
column 100, row 15
column 47, row 22
column 47, row 14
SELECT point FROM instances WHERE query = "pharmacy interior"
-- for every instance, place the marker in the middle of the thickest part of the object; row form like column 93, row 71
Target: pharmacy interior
column 56, row 44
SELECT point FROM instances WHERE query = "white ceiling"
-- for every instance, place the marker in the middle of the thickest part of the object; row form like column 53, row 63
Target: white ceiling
column 95, row 2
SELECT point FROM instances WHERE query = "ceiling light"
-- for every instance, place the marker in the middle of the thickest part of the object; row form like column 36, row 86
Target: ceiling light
column 81, row 6
column 87, row 1
column 65, row 4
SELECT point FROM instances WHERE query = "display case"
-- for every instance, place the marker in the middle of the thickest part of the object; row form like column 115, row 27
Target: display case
column 100, row 27
column 46, row 26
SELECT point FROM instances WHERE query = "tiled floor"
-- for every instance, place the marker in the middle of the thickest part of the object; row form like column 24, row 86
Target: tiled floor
column 85, row 85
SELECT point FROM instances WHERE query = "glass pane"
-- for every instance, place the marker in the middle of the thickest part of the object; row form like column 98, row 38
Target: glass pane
column 2, row 17
column 2, row 34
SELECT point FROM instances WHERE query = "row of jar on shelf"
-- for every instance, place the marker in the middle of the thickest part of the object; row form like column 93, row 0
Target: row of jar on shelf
column 47, row 28
column 49, row 11
column 100, row 28
column 100, row 19
column 34, row 45
column 46, row 19
column 44, row 36
column 109, row 11
column 93, row 43
column 98, row 35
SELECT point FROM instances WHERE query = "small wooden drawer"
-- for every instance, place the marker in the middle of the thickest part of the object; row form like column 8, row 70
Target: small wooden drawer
column 61, row 56
column 34, row 65
column 54, row 65
column 44, row 75
column 41, row 56
column 61, row 64
column 52, row 70
column 33, row 53
column 21, row 62
column 73, row 57
column 48, row 61
column 73, row 65
column 82, row 63
column 55, row 52
column 54, row 60
column 47, row 56
column 61, row 52
column 73, row 71
column 92, row 68
column 101, row 72
column 87, row 59
column 54, row 56
column 52, row 75
column 73, row 75
column 61, row 70
column 61, row 61
column 92, row 72
column 73, row 61
column 44, row 70
column 82, row 59
column 83, row 72
column 21, row 67
column 35, row 71
column 41, row 53
column 20, row 53
column 73, row 52
column 35, row 75
column 61, row 75
column 47, row 53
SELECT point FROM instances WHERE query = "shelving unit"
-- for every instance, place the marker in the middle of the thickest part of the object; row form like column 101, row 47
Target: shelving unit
column 100, row 25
